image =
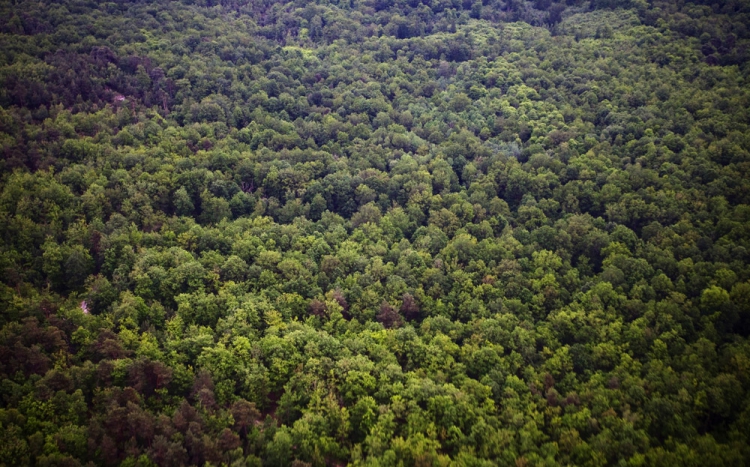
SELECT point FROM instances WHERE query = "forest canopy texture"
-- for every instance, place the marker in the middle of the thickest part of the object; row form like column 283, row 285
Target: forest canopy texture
column 375, row 233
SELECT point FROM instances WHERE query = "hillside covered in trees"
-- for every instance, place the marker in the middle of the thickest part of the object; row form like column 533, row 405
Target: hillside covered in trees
column 375, row 233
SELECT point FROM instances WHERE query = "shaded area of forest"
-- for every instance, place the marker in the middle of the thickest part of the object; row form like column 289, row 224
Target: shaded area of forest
column 374, row 232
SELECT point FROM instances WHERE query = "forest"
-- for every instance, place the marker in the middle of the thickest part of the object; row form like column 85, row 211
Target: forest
column 375, row 233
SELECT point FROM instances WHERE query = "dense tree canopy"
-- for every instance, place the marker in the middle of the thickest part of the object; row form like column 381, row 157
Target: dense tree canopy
column 375, row 232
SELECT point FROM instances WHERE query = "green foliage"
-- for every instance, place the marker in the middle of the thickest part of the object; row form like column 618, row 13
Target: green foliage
column 374, row 233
